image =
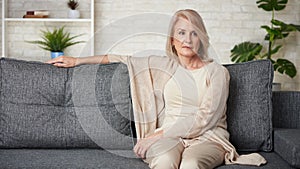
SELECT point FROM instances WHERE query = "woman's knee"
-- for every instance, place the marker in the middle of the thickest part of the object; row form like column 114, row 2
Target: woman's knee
column 165, row 154
column 200, row 163
column 203, row 156
column 204, row 160
column 167, row 160
column 194, row 164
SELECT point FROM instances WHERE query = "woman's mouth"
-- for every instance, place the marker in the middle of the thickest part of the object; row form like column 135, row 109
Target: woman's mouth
column 187, row 47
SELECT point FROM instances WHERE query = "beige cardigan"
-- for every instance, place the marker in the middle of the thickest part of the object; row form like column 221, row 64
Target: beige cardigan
column 148, row 76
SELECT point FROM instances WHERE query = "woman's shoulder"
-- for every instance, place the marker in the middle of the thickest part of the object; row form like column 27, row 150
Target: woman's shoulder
column 216, row 68
column 213, row 65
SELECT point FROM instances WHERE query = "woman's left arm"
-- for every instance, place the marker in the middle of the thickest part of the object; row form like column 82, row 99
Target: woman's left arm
column 212, row 108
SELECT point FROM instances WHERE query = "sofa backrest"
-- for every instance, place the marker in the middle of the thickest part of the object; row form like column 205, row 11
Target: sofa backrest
column 89, row 106
column 43, row 106
column 249, row 108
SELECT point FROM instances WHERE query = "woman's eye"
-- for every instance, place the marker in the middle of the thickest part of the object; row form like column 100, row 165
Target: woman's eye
column 181, row 32
column 194, row 34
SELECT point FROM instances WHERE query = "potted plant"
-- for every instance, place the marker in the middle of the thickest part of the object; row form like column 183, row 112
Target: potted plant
column 56, row 41
column 73, row 12
column 277, row 30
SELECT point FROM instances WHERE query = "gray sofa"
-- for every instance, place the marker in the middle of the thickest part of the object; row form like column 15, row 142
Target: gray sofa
column 82, row 117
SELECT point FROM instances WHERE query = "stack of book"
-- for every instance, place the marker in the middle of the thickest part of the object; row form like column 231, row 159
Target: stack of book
column 37, row 14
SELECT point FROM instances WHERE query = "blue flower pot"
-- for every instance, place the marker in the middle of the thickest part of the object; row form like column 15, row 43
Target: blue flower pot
column 56, row 54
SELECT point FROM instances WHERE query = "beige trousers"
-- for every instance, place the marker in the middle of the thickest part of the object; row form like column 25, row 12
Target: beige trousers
column 171, row 154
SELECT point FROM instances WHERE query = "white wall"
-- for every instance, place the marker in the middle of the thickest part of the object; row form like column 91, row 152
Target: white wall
column 1, row 27
column 228, row 23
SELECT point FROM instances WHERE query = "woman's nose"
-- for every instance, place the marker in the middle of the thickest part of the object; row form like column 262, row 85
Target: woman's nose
column 188, row 38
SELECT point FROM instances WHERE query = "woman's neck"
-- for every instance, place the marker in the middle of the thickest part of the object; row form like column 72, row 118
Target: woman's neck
column 191, row 63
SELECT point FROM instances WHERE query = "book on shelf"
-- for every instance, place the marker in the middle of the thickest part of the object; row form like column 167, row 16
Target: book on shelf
column 37, row 14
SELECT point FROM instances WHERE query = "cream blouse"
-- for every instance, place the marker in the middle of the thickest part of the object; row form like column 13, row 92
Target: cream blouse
column 195, row 102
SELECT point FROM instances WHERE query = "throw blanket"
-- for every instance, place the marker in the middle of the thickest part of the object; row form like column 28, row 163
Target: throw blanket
column 148, row 76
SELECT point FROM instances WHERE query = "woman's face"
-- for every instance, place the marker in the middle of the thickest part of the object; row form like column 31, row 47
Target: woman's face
column 185, row 40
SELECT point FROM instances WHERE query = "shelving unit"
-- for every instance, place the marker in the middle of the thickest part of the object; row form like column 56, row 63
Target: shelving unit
column 6, row 20
column 46, row 20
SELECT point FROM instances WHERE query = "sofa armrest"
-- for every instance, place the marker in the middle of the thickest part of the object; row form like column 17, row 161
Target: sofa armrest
column 286, row 124
column 287, row 145
column 286, row 109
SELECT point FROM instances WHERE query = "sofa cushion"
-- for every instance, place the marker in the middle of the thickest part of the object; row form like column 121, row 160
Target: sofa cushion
column 92, row 158
column 43, row 106
column 69, row 159
column 249, row 109
column 100, row 95
column 287, row 145
column 273, row 162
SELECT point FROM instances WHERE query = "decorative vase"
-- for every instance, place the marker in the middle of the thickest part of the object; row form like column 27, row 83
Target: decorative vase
column 56, row 54
column 74, row 14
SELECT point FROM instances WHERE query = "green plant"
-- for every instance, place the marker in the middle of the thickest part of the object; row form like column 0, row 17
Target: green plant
column 278, row 30
column 56, row 41
column 73, row 4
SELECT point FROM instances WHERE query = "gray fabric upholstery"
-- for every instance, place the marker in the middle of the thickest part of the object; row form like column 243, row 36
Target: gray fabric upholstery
column 47, row 107
column 249, row 106
column 274, row 162
column 287, row 145
column 67, row 159
column 89, row 107
column 286, row 109
column 93, row 158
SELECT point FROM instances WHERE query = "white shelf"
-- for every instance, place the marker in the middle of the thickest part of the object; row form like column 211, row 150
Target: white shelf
column 46, row 20
column 6, row 20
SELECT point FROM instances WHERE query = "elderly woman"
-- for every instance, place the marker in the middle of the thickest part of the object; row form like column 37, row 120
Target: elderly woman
column 179, row 101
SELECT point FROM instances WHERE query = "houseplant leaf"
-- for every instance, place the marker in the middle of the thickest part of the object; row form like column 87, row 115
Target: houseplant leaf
column 273, row 51
column 276, row 30
column 270, row 5
column 57, row 40
column 296, row 26
column 73, row 4
column 245, row 51
column 274, row 33
column 280, row 30
column 286, row 27
column 285, row 66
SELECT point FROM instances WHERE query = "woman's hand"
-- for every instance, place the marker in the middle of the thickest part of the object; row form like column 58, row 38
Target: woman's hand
column 144, row 144
column 64, row 61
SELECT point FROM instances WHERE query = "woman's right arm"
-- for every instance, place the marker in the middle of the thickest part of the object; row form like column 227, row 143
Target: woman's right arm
column 68, row 61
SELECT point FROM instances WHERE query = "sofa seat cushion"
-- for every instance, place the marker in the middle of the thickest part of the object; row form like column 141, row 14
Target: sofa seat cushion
column 274, row 161
column 287, row 145
column 94, row 158
column 71, row 158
